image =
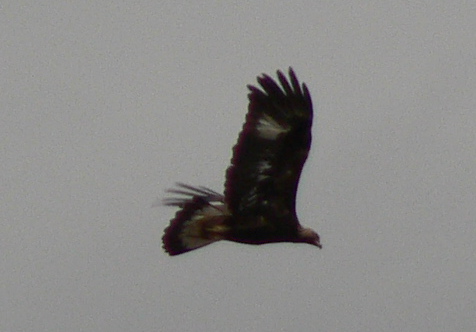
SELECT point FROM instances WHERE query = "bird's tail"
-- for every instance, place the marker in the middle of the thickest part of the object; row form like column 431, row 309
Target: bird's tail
column 197, row 224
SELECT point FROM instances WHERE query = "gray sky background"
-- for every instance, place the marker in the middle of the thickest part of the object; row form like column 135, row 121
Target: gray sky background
column 106, row 104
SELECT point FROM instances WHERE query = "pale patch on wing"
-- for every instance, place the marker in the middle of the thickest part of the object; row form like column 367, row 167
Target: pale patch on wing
column 262, row 177
column 264, row 166
column 268, row 128
column 249, row 199
column 261, row 174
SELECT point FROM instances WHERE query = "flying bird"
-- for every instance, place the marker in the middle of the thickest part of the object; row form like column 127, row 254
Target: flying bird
column 259, row 202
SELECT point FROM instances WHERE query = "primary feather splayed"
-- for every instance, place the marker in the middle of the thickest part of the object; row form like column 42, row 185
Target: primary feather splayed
column 259, row 204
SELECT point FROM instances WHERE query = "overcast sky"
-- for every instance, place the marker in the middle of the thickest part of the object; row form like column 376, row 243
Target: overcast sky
column 105, row 104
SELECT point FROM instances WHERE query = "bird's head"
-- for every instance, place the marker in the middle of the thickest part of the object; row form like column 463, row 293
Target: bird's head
column 308, row 235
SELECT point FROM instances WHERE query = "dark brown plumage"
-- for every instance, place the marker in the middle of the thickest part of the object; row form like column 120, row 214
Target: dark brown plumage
column 260, row 191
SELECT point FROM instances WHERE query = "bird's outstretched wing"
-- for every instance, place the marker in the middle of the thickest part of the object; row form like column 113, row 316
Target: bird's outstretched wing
column 271, row 149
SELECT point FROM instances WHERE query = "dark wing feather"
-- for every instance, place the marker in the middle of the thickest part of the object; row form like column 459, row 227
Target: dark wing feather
column 271, row 149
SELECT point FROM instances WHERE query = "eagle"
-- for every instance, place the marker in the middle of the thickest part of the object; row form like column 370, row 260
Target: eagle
column 259, row 202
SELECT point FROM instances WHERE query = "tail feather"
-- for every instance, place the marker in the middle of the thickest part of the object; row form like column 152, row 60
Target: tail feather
column 197, row 224
column 189, row 193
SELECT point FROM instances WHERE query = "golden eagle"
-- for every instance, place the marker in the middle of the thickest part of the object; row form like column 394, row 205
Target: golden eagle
column 259, row 203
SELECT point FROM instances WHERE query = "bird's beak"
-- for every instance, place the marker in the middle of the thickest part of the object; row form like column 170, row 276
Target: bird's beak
column 318, row 244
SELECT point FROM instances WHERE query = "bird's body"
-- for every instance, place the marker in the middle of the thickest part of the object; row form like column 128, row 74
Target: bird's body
column 258, row 206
